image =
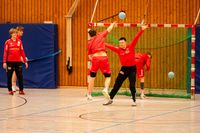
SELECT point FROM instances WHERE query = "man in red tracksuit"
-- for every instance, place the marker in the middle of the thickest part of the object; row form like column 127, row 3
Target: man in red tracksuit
column 142, row 60
column 13, row 51
column 127, row 58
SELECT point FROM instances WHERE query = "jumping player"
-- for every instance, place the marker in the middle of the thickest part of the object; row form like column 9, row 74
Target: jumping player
column 98, row 56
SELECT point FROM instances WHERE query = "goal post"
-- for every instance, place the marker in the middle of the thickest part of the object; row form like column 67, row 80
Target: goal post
column 173, row 49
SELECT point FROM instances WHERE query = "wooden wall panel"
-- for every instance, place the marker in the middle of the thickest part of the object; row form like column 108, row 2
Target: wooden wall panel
column 38, row 11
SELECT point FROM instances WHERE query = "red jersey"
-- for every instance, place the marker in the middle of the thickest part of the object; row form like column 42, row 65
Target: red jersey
column 19, row 37
column 142, row 60
column 13, row 51
column 127, row 55
column 96, row 43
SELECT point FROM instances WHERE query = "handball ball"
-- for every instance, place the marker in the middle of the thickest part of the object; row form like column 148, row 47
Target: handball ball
column 171, row 75
column 122, row 15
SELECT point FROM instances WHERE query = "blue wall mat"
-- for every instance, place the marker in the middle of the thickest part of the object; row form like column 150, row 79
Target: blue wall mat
column 197, row 53
column 40, row 45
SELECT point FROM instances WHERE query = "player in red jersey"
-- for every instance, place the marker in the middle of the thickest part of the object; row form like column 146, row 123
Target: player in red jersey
column 13, row 51
column 98, row 56
column 142, row 60
column 20, row 31
column 127, row 58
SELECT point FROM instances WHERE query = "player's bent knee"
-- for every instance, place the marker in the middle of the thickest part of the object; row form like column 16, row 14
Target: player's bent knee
column 93, row 74
column 106, row 75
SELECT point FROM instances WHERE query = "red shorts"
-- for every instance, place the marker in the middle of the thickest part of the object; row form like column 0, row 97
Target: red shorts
column 140, row 72
column 100, row 62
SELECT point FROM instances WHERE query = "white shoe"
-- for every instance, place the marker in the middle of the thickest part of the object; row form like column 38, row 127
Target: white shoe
column 142, row 96
column 89, row 96
column 14, row 88
column 108, row 102
column 134, row 104
column 17, row 88
column 105, row 93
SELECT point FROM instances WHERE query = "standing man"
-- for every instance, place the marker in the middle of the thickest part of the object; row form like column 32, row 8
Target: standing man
column 98, row 56
column 127, row 59
column 20, row 31
column 13, row 51
column 142, row 60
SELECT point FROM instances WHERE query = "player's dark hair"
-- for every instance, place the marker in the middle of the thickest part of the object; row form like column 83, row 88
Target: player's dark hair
column 122, row 38
column 92, row 32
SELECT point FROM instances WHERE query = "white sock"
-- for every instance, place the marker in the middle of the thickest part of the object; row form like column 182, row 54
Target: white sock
column 106, row 88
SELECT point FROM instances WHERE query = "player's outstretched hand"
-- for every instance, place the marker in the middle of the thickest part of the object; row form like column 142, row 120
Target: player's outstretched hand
column 144, row 27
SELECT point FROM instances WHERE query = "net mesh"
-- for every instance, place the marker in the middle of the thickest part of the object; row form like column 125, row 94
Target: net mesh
column 170, row 48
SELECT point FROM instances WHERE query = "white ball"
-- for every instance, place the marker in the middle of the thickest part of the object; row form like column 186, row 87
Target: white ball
column 122, row 15
column 171, row 75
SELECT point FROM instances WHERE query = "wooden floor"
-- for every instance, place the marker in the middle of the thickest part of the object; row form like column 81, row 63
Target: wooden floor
column 68, row 111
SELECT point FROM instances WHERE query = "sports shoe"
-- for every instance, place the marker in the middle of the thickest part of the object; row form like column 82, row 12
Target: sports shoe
column 17, row 88
column 21, row 93
column 10, row 93
column 105, row 93
column 14, row 88
column 134, row 104
column 108, row 102
column 142, row 96
column 89, row 96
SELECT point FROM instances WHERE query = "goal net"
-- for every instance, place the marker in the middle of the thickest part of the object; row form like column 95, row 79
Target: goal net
column 171, row 52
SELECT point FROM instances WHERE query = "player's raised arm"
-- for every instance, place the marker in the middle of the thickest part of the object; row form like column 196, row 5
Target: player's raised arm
column 136, row 38
column 111, row 26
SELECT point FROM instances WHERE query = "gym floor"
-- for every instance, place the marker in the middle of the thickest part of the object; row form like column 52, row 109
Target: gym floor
column 68, row 111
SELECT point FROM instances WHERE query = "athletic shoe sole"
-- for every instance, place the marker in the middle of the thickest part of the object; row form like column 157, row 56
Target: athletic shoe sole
column 106, row 95
column 108, row 103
